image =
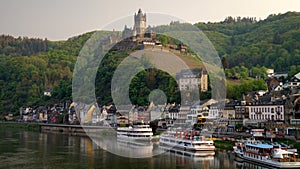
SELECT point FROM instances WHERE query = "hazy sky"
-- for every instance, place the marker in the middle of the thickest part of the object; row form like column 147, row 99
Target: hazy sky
column 61, row 19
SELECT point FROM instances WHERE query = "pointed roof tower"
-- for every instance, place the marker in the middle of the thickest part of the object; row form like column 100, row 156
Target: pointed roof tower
column 140, row 23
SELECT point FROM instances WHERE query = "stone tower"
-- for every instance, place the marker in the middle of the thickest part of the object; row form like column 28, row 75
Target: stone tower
column 140, row 23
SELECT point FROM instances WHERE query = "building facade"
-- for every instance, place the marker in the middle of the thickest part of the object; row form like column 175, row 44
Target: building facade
column 192, row 80
column 182, row 116
column 241, row 110
column 294, row 82
column 266, row 112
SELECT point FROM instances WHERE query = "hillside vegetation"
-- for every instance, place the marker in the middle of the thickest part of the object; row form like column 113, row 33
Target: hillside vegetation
column 29, row 66
column 273, row 42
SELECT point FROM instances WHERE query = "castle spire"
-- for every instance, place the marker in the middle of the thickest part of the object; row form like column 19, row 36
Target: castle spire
column 140, row 23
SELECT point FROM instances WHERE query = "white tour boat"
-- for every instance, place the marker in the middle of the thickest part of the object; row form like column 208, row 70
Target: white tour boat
column 187, row 141
column 266, row 154
column 135, row 132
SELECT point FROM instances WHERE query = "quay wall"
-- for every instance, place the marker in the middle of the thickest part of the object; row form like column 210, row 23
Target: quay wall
column 73, row 130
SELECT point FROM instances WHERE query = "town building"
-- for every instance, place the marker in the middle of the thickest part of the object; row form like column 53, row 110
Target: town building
column 273, row 83
column 182, row 116
column 294, row 82
column 270, row 72
column 172, row 111
column 216, row 111
column 281, row 75
column 194, row 79
column 241, row 110
column 48, row 92
column 200, row 109
column 229, row 112
column 266, row 112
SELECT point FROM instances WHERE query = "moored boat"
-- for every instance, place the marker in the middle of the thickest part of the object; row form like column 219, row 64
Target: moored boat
column 266, row 154
column 200, row 155
column 187, row 141
column 141, row 132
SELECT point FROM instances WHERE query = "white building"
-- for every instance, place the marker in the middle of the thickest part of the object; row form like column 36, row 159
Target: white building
column 182, row 116
column 266, row 112
column 48, row 92
column 215, row 111
column 202, row 109
column 192, row 79
column 172, row 115
column 294, row 81
column 195, row 112
column 270, row 72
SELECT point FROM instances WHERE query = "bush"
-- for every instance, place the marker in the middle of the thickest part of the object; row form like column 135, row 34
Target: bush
column 297, row 145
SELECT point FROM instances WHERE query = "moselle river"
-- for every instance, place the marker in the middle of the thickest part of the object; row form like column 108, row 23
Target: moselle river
column 26, row 149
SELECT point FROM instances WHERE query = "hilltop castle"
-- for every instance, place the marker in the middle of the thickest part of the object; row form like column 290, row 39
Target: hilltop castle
column 139, row 28
column 139, row 36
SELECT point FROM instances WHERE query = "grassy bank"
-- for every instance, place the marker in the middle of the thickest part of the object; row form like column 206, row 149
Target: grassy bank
column 227, row 145
column 24, row 126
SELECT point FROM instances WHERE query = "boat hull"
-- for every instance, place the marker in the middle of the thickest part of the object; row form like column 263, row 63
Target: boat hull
column 269, row 163
column 188, row 153
column 125, row 137
column 135, row 132
column 200, row 148
column 183, row 144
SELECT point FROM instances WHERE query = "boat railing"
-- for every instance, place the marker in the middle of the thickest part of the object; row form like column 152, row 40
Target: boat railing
column 287, row 159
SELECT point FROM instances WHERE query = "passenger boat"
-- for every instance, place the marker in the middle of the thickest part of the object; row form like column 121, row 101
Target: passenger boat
column 141, row 132
column 187, row 141
column 135, row 148
column 266, row 154
column 194, row 154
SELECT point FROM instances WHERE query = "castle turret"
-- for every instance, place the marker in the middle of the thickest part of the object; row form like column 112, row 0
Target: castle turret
column 140, row 23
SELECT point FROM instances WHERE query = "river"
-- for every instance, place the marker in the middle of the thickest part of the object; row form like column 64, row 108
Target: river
column 27, row 149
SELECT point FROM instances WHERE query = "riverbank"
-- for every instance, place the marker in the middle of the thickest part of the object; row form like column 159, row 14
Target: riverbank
column 24, row 126
column 224, row 144
column 76, row 130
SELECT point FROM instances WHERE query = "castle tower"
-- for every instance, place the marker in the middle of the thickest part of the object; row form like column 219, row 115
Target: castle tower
column 140, row 23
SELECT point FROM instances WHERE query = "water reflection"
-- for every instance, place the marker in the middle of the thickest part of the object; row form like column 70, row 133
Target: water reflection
column 247, row 165
column 126, row 147
column 23, row 149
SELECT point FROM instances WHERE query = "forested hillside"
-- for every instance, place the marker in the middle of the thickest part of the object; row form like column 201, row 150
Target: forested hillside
column 273, row 42
column 28, row 66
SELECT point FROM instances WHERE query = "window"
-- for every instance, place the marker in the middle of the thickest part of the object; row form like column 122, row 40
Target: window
column 272, row 110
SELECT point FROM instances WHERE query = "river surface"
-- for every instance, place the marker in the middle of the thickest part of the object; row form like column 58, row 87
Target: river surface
column 26, row 149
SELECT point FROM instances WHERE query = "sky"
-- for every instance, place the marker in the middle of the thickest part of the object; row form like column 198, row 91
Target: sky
column 62, row 19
